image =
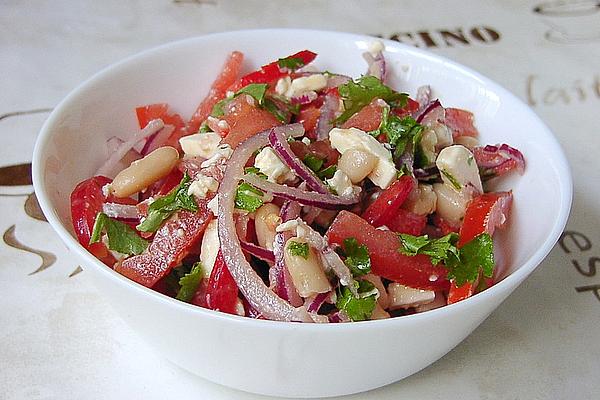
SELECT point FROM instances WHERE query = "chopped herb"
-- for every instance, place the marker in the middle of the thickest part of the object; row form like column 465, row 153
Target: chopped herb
column 327, row 173
column 204, row 128
column 313, row 162
column 255, row 171
column 163, row 207
column 298, row 249
column 248, row 198
column 290, row 62
column 271, row 107
column 452, row 179
column 219, row 108
column 400, row 132
column 357, row 257
column 463, row 264
column 360, row 92
column 358, row 308
column 121, row 237
column 189, row 283
column 256, row 90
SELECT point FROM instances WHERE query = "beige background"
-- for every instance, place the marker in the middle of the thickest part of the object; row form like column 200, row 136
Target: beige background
column 58, row 337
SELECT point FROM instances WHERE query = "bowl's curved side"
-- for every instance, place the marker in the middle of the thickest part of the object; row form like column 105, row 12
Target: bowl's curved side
column 241, row 352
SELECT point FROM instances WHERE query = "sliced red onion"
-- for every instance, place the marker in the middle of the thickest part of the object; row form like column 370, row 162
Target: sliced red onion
column 304, row 98
column 428, row 110
column 427, row 173
column 259, row 296
column 339, row 316
column 376, row 65
column 157, row 140
column 108, row 168
column 314, row 303
column 321, row 200
column 282, row 148
column 328, row 111
column 335, row 80
column 257, row 251
column 499, row 160
column 121, row 211
column 423, row 96
column 279, row 275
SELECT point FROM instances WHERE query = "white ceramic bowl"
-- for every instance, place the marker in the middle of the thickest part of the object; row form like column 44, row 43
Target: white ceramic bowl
column 291, row 359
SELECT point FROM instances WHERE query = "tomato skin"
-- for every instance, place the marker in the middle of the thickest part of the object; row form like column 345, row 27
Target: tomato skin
column 222, row 291
column 386, row 259
column 410, row 108
column 86, row 202
column 309, row 117
column 218, row 90
column 367, row 119
column 246, row 120
column 170, row 181
column 460, row 122
column 483, row 215
column 386, row 206
column 407, row 222
column 168, row 247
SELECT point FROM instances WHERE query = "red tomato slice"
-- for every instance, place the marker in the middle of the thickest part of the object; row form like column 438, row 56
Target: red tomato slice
column 407, row 222
column 386, row 206
column 222, row 291
column 483, row 215
column 460, row 122
column 246, row 120
column 367, row 119
column 386, row 259
column 168, row 247
column 309, row 117
column 170, row 181
column 147, row 113
column 410, row 108
column 218, row 90
column 86, row 202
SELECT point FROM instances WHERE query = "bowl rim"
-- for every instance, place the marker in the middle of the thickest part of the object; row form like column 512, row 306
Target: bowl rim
column 526, row 268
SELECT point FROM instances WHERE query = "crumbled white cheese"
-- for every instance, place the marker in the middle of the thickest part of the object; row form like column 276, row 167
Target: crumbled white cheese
column 180, row 232
column 269, row 164
column 342, row 184
column 290, row 225
column 306, row 84
column 282, row 86
column 384, row 173
column 223, row 151
column 213, row 205
column 209, row 247
column 404, row 297
column 458, row 167
column 106, row 189
column 376, row 47
column 306, row 141
column 202, row 185
column 200, row 144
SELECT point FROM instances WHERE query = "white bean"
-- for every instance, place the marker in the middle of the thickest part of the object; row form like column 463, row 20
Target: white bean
column 428, row 143
column 266, row 220
column 451, row 204
column 357, row 164
column 142, row 173
column 422, row 200
column 307, row 273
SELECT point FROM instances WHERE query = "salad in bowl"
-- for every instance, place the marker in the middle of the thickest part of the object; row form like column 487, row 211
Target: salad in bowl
column 295, row 194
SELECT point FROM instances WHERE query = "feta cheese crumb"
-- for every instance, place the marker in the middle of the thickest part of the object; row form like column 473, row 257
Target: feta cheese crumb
column 209, row 247
column 404, row 297
column 287, row 226
column 306, row 141
column 342, row 184
column 202, row 185
column 200, row 144
column 213, row 205
column 180, row 233
column 384, row 173
column 306, row 84
column 269, row 164
column 106, row 189
column 223, row 151
column 283, row 85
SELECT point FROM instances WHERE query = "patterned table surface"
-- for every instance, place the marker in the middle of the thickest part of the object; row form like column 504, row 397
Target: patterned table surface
column 60, row 339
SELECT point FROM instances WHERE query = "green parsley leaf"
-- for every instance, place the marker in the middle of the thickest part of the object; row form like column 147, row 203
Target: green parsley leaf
column 476, row 255
column 327, row 173
column 248, row 198
column 313, row 162
column 463, row 264
column 400, row 132
column 189, row 283
column 255, row 171
column 290, row 62
column 256, row 90
column 121, row 237
column 357, row 257
column 358, row 308
column 437, row 249
column 298, row 249
column 204, row 128
column 219, row 108
column 455, row 183
column 163, row 207
column 271, row 107
column 360, row 92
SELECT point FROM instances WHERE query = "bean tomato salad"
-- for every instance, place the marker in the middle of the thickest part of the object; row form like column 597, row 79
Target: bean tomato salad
column 294, row 194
